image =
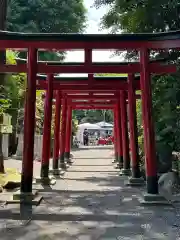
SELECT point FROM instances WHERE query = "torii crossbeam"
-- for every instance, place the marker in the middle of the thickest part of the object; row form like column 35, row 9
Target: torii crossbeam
column 142, row 43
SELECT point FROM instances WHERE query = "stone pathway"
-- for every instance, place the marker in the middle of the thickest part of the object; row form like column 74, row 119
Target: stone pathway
column 90, row 203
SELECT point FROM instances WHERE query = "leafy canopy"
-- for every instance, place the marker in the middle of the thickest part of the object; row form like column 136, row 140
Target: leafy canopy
column 46, row 16
column 142, row 16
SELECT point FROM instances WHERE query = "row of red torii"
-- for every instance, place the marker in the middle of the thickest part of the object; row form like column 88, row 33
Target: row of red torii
column 101, row 93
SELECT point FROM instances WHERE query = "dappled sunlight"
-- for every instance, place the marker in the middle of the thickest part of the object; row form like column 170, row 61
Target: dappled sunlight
column 10, row 179
column 91, row 201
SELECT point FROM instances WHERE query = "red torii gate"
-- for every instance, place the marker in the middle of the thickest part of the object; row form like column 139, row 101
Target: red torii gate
column 140, row 42
column 97, row 102
column 90, row 96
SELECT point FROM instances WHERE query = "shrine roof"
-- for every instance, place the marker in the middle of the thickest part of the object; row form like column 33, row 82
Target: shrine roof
column 172, row 35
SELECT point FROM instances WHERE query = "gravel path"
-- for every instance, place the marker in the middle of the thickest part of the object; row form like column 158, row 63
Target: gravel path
column 91, row 202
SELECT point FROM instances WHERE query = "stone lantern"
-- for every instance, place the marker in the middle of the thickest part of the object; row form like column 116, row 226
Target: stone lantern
column 5, row 130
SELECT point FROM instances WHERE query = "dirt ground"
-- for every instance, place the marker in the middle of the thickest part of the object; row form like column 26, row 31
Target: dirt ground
column 91, row 202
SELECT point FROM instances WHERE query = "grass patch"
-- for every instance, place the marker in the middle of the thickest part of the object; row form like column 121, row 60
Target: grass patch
column 10, row 179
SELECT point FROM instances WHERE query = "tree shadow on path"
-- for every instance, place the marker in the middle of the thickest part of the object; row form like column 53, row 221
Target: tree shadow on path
column 108, row 210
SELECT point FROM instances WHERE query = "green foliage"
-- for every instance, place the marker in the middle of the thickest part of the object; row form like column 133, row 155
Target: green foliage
column 74, row 125
column 93, row 116
column 46, row 16
column 152, row 16
column 4, row 105
column 40, row 113
column 140, row 15
column 67, row 16
column 12, row 86
column 61, row 16
column 14, row 90
column 79, row 114
column 141, row 145
column 166, row 112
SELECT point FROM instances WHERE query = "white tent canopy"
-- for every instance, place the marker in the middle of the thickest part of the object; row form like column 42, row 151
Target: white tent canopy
column 87, row 126
column 104, row 124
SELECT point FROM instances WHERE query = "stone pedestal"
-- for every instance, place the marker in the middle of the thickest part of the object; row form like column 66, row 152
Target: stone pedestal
column 46, row 180
column 57, row 172
column 125, row 172
column 63, row 166
column 5, row 146
column 19, row 151
column 25, row 198
column 37, row 147
column 135, row 182
column 154, row 199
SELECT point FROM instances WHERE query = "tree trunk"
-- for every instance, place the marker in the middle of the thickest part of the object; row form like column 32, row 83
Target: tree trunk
column 3, row 13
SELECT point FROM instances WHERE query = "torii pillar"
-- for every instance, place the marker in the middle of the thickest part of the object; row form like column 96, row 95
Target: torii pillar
column 152, row 196
column 46, row 148
column 125, row 136
column 56, row 170
column 63, row 134
column 68, row 135
column 135, row 179
column 115, row 138
column 119, row 136
column 29, row 128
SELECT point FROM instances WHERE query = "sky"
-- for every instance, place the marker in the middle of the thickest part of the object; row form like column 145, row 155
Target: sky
column 94, row 17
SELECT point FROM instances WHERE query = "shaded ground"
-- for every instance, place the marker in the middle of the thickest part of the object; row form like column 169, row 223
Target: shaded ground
column 90, row 203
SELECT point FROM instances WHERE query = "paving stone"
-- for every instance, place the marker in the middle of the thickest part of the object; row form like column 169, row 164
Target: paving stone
column 91, row 202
